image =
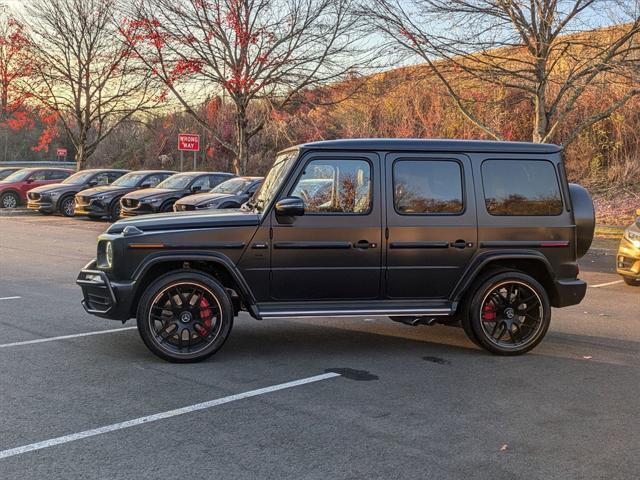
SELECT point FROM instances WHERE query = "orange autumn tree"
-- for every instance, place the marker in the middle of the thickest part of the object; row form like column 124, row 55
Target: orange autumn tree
column 15, row 68
column 256, row 54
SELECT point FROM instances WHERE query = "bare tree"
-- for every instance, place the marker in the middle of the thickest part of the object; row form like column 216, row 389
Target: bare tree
column 85, row 73
column 258, row 54
column 549, row 52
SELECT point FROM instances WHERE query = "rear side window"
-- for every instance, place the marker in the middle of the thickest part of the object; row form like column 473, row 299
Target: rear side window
column 521, row 188
column 427, row 187
column 56, row 175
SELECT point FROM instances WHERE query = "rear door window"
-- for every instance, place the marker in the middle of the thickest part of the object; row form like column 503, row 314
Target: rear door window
column 427, row 187
column 521, row 188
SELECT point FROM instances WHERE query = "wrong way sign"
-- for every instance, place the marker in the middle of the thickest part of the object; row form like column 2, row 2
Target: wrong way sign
column 188, row 142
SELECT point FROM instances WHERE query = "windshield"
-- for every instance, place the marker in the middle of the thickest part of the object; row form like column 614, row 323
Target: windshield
column 79, row 178
column 177, row 182
column 18, row 176
column 233, row 186
column 273, row 180
column 129, row 180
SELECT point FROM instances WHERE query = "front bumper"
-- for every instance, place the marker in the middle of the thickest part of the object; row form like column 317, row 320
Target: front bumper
column 94, row 207
column 103, row 297
column 568, row 292
column 141, row 209
column 41, row 205
column 628, row 260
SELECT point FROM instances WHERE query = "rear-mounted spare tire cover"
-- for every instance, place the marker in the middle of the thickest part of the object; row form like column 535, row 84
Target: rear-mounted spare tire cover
column 585, row 217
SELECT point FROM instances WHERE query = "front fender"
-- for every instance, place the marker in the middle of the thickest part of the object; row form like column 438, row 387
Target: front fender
column 217, row 258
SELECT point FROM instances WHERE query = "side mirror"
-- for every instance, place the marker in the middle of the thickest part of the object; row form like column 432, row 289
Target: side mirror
column 30, row 180
column 93, row 183
column 290, row 207
column 145, row 185
column 196, row 189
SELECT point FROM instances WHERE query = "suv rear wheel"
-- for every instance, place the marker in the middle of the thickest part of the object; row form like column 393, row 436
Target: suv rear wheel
column 508, row 314
column 185, row 316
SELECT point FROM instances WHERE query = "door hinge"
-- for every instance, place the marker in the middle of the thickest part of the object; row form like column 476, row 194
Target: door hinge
column 386, row 233
column 270, row 233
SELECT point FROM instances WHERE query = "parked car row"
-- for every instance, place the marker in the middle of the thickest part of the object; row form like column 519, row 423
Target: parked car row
column 116, row 193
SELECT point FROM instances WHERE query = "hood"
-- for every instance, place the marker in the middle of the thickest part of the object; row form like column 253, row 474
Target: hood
column 5, row 184
column 188, row 220
column 104, row 189
column 151, row 192
column 57, row 188
column 200, row 198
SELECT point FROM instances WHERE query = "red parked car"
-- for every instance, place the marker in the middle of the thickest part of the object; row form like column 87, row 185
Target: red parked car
column 14, row 188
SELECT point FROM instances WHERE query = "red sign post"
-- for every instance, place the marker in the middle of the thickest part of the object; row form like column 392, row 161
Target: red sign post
column 188, row 142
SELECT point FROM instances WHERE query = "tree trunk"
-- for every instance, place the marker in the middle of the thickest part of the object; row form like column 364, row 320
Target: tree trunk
column 540, row 118
column 81, row 158
column 242, row 158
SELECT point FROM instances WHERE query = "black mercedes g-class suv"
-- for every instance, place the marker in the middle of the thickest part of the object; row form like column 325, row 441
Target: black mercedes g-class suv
column 485, row 235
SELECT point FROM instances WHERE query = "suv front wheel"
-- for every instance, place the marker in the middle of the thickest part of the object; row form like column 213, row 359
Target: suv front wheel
column 508, row 314
column 185, row 316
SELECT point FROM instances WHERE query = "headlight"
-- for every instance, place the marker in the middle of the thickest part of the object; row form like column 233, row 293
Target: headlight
column 152, row 200
column 105, row 254
column 633, row 237
column 100, row 198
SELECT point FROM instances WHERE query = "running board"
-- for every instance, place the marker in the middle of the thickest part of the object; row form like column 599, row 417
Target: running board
column 281, row 311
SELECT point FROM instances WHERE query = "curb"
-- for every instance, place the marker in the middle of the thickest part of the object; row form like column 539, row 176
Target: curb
column 16, row 212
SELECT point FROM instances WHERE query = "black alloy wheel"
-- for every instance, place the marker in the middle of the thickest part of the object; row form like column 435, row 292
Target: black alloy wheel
column 509, row 314
column 114, row 211
column 67, row 206
column 185, row 316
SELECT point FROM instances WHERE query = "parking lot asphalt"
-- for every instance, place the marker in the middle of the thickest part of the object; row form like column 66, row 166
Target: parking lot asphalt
column 399, row 402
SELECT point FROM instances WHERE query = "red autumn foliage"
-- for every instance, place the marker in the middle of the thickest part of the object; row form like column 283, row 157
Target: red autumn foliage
column 15, row 67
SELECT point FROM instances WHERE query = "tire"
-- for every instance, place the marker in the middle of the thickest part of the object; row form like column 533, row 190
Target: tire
column 9, row 200
column 500, row 308
column 167, row 207
column 632, row 282
column 66, row 206
column 114, row 210
column 175, row 303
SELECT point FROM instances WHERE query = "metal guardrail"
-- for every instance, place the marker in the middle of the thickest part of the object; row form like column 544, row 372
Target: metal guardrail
column 39, row 164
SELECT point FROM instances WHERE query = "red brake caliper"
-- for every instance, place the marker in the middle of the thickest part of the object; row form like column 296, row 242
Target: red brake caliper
column 205, row 313
column 489, row 312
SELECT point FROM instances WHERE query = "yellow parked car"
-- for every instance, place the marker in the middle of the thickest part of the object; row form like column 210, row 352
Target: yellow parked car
column 628, row 258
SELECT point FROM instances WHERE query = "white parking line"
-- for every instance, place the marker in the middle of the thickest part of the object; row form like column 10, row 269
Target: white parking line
column 9, row 298
column 606, row 284
column 161, row 416
column 64, row 337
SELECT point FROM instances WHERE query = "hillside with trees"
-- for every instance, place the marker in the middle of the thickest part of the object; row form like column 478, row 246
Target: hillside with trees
column 253, row 78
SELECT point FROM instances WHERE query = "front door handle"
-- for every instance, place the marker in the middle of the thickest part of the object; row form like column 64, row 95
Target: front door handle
column 364, row 244
column 461, row 244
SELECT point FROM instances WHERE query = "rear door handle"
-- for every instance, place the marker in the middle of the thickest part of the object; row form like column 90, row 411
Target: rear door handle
column 364, row 244
column 461, row 244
